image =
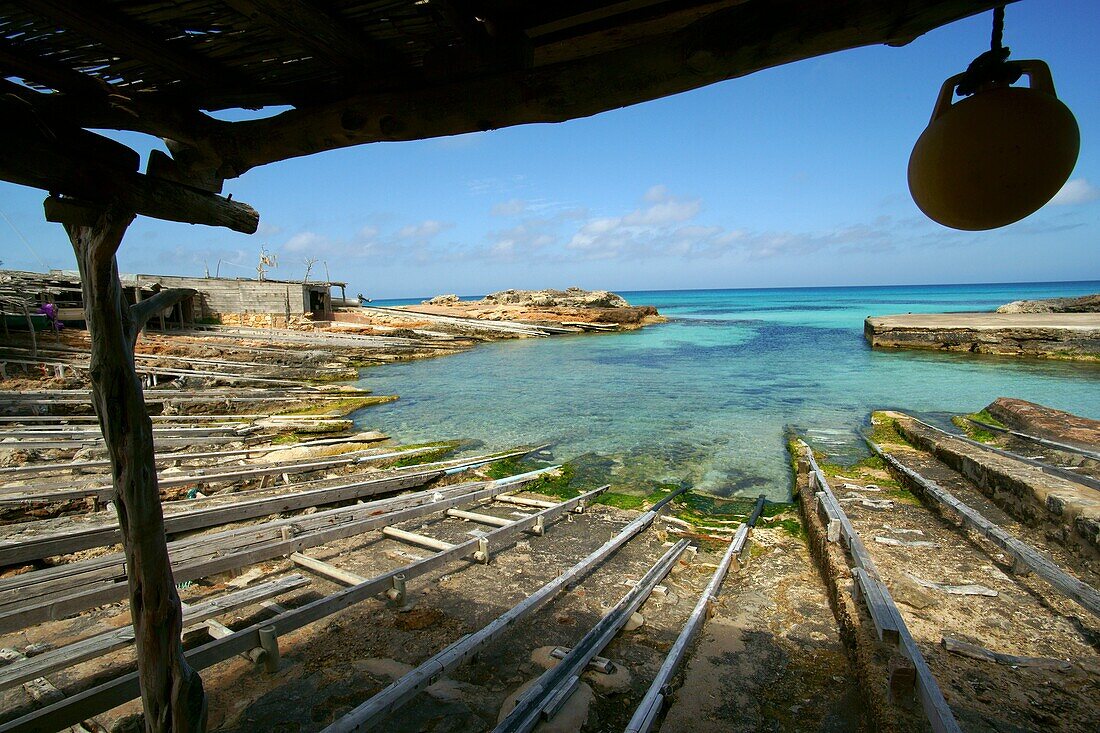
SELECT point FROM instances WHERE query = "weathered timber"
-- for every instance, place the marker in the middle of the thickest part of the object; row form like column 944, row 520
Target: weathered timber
column 35, row 540
column 653, row 702
column 1045, row 442
column 555, row 683
column 1084, row 594
column 172, row 694
column 100, row 644
column 935, row 707
column 39, row 596
column 367, row 715
column 966, row 649
column 125, row 688
column 327, row 570
column 32, row 494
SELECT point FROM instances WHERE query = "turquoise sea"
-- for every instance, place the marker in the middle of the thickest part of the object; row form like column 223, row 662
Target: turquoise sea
column 705, row 398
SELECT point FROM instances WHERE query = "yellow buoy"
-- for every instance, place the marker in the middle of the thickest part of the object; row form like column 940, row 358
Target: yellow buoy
column 994, row 157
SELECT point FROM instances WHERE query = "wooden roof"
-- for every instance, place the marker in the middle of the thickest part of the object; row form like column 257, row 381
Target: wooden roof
column 359, row 71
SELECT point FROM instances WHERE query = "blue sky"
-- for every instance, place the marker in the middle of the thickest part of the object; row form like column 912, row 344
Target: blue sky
column 793, row 176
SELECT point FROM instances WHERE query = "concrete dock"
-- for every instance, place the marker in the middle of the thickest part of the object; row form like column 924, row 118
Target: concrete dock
column 1051, row 335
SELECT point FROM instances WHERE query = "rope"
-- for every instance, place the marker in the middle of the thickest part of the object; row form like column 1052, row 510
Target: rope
column 991, row 68
column 998, row 28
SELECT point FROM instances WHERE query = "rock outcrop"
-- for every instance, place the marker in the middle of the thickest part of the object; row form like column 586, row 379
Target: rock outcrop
column 1083, row 304
column 1046, row 422
column 570, row 298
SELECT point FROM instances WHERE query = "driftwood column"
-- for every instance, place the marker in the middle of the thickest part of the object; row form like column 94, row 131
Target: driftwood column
column 171, row 692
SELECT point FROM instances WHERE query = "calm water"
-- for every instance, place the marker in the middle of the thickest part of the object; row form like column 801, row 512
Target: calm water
column 705, row 398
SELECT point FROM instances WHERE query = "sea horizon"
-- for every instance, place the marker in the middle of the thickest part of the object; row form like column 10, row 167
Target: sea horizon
column 409, row 300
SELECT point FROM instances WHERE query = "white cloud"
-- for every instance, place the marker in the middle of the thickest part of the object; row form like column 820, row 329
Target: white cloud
column 423, row 231
column 304, row 242
column 515, row 207
column 1076, row 191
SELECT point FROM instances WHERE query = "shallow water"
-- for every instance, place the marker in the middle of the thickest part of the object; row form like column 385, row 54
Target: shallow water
column 705, row 398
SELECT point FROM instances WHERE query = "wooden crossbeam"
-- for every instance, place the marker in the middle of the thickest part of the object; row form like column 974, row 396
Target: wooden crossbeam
column 101, row 23
column 100, row 644
column 327, row 570
column 122, row 689
column 417, row 539
column 323, row 32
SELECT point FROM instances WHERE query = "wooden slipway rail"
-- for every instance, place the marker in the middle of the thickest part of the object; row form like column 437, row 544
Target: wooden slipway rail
column 555, row 686
column 47, row 493
column 183, row 457
column 888, row 620
column 100, row 644
column 1021, row 552
column 392, row 698
column 81, row 706
column 57, row 592
column 48, row 537
column 645, row 715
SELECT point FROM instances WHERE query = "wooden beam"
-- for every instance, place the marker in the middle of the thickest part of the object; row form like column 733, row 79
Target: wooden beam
column 119, row 33
column 327, row 570
column 323, row 32
column 723, row 45
column 122, row 689
column 100, row 644
column 14, row 61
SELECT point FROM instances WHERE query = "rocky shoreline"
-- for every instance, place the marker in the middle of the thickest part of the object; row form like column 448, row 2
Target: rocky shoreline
column 513, row 314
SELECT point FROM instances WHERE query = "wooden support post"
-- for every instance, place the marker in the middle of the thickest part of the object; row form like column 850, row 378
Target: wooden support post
column 172, row 694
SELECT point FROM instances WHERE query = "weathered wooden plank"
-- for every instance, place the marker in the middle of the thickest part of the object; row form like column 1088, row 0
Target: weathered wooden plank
column 29, row 494
column 100, row 644
column 105, row 581
column 125, row 688
column 69, row 539
column 872, row 594
column 966, row 649
column 1084, row 594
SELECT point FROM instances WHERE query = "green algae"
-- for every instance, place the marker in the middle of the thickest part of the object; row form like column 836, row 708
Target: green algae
column 341, row 407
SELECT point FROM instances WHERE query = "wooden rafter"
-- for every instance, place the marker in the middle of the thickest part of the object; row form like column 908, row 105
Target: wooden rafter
column 45, row 72
column 99, row 22
column 324, row 33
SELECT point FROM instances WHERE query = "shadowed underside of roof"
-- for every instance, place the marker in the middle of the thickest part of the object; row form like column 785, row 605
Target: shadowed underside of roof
column 356, row 72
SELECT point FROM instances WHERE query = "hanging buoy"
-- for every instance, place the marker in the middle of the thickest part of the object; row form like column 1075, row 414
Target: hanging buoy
column 1001, row 153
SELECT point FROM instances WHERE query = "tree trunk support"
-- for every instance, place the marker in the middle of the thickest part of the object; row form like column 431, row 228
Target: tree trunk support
column 171, row 692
